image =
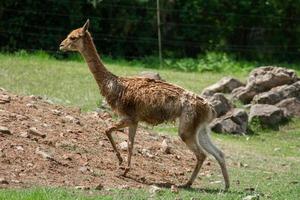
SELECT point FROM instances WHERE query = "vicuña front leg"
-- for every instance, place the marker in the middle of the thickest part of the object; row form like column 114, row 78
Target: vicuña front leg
column 121, row 124
column 131, row 136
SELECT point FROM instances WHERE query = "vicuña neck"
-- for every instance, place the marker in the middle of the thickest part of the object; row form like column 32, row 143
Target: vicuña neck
column 101, row 74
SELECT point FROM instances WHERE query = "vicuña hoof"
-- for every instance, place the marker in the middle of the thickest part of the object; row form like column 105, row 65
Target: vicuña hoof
column 122, row 171
column 226, row 188
column 126, row 170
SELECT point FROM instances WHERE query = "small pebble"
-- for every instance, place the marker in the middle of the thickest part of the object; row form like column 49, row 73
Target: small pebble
column 5, row 130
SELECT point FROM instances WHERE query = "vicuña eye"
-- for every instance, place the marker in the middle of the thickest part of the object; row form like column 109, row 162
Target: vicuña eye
column 72, row 38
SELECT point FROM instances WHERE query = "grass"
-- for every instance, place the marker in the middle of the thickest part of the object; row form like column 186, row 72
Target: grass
column 265, row 164
column 71, row 83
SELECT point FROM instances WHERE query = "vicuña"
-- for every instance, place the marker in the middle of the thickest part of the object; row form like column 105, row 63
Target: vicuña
column 152, row 101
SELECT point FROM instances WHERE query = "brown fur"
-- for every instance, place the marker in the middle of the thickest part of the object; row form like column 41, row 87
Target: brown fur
column 151, row 101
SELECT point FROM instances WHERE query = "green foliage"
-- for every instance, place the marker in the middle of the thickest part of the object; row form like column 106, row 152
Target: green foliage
column 219, row 62
column 257, row 30
column 185, row 64
column 209, row 62
column 255, row 125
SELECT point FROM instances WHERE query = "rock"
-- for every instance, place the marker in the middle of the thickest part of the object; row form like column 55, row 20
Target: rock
column 152, row 75
column 3, row 181
column 244, row 94
column 99, row 187
column 225, row 85
column 72, row 119
column 34, row 131
column 123, row 146
column 4, row 130
column 67, row 157
column 178, row 157
column 267, row 115
column 30, row 165
column 101, row 143
column 252, row 197
column 290, row 107
column 43, row 153
column 241, row 165
column 271, row 76
column 174, row 189
column 216, row 182
column 124, row 187
column 19, row 148
column 235, row 122
column 146, row 152
column 220, row 103
column 81, row 187
column 4, row 99
column 57, row 112
column 165, row 147
column 83, row 169
column 24, row 135
column 154, row 189
column 278, row 94
column 143, row 179
column 30, row 105
column 16, row 181
column 263, row 79
column 35, row 98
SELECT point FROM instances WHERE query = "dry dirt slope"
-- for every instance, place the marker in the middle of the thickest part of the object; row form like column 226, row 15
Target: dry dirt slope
column 51, row 145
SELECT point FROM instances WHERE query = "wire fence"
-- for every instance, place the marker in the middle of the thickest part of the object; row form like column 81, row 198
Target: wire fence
column 260, row 16
column 41, row 31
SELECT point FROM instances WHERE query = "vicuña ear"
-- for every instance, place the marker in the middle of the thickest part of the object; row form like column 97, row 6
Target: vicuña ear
column 86, row 26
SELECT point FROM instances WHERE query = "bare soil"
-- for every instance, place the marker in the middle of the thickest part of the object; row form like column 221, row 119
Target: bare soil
column 53, row 145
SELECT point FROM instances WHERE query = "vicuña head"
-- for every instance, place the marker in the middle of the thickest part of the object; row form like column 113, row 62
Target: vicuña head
column 74, row 41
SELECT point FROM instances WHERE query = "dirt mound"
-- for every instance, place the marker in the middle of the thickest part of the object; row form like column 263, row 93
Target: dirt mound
column 51, row 145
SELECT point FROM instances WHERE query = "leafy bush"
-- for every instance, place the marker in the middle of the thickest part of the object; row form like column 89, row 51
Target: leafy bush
column 211, row 61
column 186, row 64
column 264, row 30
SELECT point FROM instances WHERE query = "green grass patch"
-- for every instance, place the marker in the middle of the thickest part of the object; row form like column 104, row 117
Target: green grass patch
column 71, row 83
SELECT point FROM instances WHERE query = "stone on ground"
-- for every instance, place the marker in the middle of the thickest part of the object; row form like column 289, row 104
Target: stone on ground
column 225, row 85
column 4, row 130
column 149, row 74
column 278, row 94
column 266, row 115
column 290, row 107
column 220, row 103
column 263, row 79
column 234, row 122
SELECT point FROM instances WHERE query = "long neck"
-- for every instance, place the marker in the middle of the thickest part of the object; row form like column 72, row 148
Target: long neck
column 101, row 74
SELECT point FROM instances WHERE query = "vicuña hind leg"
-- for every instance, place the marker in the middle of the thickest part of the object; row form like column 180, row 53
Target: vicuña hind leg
column 188, row 135
column 200, row 159
column 209, row 147
column 121, row 124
